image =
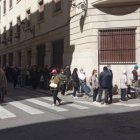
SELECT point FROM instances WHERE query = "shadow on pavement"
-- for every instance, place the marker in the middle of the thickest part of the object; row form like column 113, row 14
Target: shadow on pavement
column 121, row 126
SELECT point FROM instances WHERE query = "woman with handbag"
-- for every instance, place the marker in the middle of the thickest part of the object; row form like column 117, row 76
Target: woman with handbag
column 54, row 86
column 3, row 85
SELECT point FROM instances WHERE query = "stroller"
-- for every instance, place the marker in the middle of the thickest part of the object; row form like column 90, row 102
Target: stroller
column 131, row 92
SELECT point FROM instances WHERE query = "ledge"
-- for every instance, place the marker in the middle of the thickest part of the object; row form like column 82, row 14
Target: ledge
column 99, row 3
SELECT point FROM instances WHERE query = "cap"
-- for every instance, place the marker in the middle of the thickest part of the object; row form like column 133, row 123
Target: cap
column 136, row 66
column 54, row 71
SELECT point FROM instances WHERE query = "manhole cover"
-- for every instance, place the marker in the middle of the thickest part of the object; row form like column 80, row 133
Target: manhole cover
column 127, row 130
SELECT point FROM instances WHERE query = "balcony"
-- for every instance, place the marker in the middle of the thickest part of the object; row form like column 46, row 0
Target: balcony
column 100, row 3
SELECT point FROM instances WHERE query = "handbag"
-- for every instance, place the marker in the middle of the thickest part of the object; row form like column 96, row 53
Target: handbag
column 53, row 85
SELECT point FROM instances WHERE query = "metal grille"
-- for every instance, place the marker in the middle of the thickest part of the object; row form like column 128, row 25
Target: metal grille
column 117, row 46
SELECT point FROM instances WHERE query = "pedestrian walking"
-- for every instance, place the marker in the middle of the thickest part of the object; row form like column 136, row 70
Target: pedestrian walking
column 123, row 86
column 75, row 81
column 54, row 86
column 3, row 85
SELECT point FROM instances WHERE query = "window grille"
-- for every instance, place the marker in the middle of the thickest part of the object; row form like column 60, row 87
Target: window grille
column 117, row 46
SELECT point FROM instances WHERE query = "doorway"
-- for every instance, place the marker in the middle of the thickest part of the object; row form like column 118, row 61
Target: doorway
column 57, row 53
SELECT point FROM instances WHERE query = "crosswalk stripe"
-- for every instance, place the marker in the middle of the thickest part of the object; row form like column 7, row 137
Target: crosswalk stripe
column 44, row 104
column 91, row 103
column 127, row 105
column 71, row 105
column 25, row 108
column 4, row 114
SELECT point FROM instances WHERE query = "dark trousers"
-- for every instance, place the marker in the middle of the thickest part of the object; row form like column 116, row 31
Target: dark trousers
column 2, row 93
column 105, row 93
column 63, row 89
column 110, row 95
column 55, row 93
column 74, row 92
column 123, row 94
column 95, row 92
column 15, row 82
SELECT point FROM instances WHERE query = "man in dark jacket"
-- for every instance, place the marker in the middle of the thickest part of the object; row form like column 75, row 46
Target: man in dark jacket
column 105, row 82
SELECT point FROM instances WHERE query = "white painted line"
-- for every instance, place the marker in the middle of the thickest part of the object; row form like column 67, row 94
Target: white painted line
column 78, row 106
column 4, row 114
column 25, row 108
column 91, row 103
column 127, row 105
column 71, row 105
column 44, row 104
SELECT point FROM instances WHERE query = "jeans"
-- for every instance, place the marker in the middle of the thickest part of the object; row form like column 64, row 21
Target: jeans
column 55, row 93
column 103, row 95
column 74, row 92
column 123, row 94
column 95, row 92
column 63, row 89
column 110, row 95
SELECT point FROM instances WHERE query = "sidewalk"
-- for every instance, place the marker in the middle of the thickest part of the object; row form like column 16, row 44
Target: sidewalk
column 116, row 98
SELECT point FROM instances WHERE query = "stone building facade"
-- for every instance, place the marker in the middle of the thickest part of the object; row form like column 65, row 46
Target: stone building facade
column 85, row 34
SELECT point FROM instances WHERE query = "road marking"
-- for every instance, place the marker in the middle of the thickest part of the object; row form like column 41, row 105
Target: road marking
column 127, row 105
column 71, row 105
column 25, row 108
column 91, row 103
column 44, row 104
column 4, row 114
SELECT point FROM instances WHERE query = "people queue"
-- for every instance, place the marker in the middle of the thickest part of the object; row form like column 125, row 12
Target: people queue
column 63, row 80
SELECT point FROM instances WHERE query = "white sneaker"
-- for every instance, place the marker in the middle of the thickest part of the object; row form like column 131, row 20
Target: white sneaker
column 53, row 104
column 72, row 96
column 75, row 97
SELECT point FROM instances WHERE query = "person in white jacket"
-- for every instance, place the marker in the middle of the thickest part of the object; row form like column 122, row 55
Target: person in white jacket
column 123, row 86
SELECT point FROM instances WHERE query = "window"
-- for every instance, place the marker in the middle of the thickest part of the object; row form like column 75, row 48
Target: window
column 17, row 35
column 41, row 10
column 10, row 59
column 10, row 4
column 4, row 34
column 10, row 32
column 19, row 58
column 4, row 60
column 4, row 7
column 58, row 5
column 28, row 16
column 117, row 46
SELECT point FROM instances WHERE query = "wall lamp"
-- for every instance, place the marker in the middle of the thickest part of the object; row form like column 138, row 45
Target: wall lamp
column 81, row 5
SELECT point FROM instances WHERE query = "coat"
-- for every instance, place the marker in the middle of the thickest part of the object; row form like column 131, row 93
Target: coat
column 75, row 80
column 105, row 79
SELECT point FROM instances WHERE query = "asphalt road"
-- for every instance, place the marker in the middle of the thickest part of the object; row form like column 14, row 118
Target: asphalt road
column 28, row 115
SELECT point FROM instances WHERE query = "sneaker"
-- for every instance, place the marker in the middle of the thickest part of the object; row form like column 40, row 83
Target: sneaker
column 59, row 101
column 75, row 97
column 53, row 104
column 72, row 96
